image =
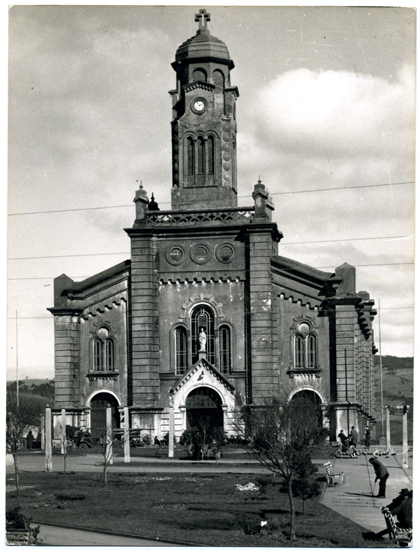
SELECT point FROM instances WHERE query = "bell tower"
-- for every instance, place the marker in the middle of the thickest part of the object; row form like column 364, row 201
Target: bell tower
column 203, row 123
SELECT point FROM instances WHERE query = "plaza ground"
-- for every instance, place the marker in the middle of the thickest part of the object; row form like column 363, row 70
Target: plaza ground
column 353, row 500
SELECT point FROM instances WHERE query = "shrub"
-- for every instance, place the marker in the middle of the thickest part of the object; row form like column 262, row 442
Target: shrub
column 251, row 525
column 16, row 520
column 70, row 497
column 185, row 439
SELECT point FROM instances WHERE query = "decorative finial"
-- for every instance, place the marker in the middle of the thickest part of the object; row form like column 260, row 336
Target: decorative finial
column 141, row 184
column 202, row 17
column 259, row 179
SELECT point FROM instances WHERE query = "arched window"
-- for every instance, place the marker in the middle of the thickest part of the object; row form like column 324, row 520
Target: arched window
column 190, row 157
column 219, row 80
column 210, row 155
column 200, row 156
column 224, row 349
column 181, row 351
column 109, row 354
column 199, row 75
column 311, row 350
column 202, row 318
column 305, row 347
column 299, row 352
column 97, row 356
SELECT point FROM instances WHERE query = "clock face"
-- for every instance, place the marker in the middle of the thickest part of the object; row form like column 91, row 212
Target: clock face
column 199, row 105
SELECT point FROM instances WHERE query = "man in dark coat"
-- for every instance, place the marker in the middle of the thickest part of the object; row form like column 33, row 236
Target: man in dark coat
column 354, row 434
column 196, row 441
column 367, row 438
column 29, row 439
column 402, row 507
column 382, row 474
column 404, row 511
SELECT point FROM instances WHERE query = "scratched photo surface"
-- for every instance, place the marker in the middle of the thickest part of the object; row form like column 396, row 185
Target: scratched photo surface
column 325, row 118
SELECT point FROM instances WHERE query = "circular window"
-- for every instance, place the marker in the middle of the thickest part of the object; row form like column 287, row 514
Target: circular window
column 304, row 328
column 175, row 254
column 225, row 252
column 200, row 253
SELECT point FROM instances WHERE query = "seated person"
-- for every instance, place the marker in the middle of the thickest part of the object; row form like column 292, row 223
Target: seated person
column 402, row 507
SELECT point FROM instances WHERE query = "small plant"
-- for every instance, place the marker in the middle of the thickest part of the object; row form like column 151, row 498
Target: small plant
column 15, row 520
column 251, row 525
column 185, row 439
column 70, row 497
column 219, row 437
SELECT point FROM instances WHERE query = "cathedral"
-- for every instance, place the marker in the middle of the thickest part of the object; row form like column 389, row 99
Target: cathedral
column 206, row 314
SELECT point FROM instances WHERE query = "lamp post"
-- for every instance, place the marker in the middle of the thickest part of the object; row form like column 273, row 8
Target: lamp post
column 171, row 425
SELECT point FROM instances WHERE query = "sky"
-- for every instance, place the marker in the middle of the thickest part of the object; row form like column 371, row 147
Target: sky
column 325, row 118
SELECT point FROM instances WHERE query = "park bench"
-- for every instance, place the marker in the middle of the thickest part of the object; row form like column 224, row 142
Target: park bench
column 18, row 537
column 348, row 452
column 400, row 535
column 333, row 478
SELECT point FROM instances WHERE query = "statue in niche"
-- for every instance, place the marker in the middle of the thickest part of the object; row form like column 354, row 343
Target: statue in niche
column 202, row 338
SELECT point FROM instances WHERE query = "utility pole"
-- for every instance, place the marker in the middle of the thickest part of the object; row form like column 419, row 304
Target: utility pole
column 17, row 364
column 380, row 369
column 404, row 409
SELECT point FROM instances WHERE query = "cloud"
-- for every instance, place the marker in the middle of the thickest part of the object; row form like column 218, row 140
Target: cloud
column 335, row 110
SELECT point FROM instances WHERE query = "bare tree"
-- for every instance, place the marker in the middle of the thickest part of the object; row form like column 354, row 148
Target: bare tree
column 204, row 424
column 21, row 415
column 107, row 446
column 281, row 432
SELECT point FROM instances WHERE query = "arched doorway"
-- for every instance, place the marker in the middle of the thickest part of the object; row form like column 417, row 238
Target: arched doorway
column 204, row 410
column 310, row 401
column 98, row 406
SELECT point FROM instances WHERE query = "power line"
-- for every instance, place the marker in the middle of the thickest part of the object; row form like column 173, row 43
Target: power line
column 72, row 256
column 348, row 240
column 281, row 244
column 239, row 196
column 365, row 265
column 341, row 188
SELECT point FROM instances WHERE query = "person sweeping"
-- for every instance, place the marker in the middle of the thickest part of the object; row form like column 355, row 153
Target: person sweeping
column 382, row 474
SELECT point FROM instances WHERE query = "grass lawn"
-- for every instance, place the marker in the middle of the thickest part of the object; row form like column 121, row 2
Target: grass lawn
column 202, row 509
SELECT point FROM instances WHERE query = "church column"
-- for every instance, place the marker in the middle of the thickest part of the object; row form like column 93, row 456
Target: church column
column 261, row 234
column 66, row 357
column 144, row 321
column 345, row 360
column 144, row 309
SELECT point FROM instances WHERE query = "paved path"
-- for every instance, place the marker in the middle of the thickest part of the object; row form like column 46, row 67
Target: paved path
column 355, row 500
column 61, row 536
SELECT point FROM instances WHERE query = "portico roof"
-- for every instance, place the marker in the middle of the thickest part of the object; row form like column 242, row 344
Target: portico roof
column 202, row 363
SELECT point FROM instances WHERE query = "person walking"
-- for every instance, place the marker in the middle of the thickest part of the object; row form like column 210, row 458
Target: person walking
column 29, row 439
column 382, row 474
column 196, row 441
column 354, row 434
column 367, row 438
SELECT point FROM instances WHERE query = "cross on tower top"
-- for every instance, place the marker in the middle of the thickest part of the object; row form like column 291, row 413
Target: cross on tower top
column 202, row 17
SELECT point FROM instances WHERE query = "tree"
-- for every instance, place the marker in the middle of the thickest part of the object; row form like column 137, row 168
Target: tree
column 304, row 485
column 281, row 432
column 21, row 415
column 107, row 446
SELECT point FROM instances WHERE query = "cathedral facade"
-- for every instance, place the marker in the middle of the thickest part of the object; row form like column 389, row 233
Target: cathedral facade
column 207, row 314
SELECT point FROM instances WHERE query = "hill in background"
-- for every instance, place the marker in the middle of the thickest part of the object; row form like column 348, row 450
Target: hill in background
column 398, row 390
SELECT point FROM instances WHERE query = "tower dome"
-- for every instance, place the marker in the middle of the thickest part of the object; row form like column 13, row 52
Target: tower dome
column 203, row 45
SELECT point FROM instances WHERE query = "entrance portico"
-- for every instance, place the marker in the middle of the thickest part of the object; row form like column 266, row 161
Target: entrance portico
column 203, row 385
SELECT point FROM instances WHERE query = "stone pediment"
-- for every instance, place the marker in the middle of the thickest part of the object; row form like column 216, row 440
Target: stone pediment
column 203, row 373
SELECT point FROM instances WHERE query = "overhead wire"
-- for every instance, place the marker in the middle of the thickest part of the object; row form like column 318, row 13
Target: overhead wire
column 239, row 196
